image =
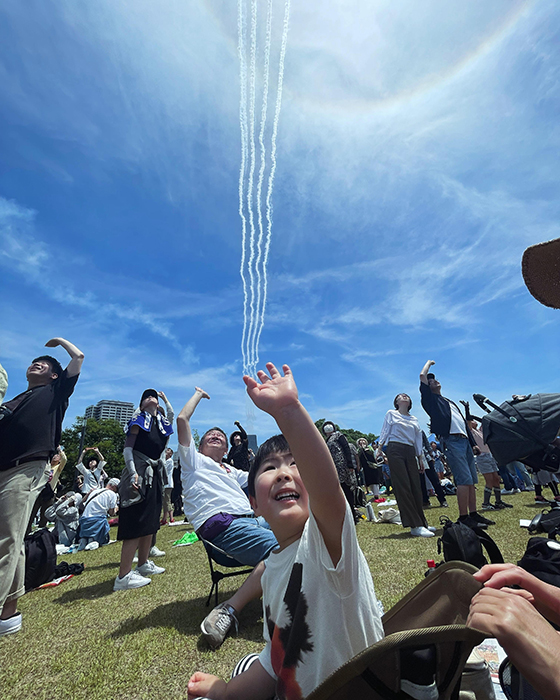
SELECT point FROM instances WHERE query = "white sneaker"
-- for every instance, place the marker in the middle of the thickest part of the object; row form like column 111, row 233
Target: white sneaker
column 431, row 528
column 155, row 552
column 149, row 568
column 421, row 532
column 132, row 580
column 11, row 625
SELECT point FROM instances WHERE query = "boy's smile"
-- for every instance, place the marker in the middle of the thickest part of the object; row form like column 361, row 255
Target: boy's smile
column 280, row 496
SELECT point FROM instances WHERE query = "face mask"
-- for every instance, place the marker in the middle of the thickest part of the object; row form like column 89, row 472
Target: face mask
column 328, row 429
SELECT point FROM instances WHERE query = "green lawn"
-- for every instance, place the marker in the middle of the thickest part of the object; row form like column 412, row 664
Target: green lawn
column 81, row 640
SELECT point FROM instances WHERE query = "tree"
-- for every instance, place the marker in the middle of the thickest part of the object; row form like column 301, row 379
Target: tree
column 107, row 435
column 351, row 434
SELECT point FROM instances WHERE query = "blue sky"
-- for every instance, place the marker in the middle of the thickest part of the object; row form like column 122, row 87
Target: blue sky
column 418, row 151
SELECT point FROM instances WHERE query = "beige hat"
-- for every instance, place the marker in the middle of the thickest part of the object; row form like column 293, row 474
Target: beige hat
column 541, row 271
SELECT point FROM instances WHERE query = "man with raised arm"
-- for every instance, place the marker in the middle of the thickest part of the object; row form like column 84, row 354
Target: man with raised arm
column 449, row 424
column 319, row 602
column 218, row 508
column 29, row 435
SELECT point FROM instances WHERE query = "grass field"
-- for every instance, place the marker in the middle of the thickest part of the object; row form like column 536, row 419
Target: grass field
column 82, row 641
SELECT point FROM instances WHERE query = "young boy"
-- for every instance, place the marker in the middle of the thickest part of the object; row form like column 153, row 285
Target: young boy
column 319, row 602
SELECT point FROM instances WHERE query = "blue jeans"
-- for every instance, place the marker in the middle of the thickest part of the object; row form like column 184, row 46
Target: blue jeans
column 460, row 459
column 249, row 540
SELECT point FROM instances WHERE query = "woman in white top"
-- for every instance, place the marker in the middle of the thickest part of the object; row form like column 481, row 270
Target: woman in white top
column 402, row 437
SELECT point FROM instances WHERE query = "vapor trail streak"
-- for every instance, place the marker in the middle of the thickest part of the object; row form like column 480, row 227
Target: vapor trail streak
column 264, row 110
column 241, row 49
column 252, row 165
column 273, row 165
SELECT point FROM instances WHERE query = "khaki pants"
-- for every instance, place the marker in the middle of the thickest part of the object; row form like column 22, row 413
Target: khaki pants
column 406, row 484
column 19, row 488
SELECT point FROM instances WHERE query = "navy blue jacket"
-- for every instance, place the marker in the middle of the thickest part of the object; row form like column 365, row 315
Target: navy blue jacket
column 439, row 410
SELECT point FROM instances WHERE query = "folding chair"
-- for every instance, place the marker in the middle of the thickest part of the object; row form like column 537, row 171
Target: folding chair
column 432, row 615
column 221, row 558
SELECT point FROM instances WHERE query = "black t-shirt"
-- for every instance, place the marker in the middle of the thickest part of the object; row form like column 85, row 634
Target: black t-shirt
column 35, row 426
column 151, row 444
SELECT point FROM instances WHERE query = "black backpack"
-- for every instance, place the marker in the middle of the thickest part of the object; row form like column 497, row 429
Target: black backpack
column 542, row 559
column 40, row 558
column 545, row 521
column 463, row 543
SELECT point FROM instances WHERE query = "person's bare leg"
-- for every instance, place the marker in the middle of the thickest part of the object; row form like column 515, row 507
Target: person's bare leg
column 127, row 554
column 251, row 589
column 144, row 546
column 463, row 498
column 9, row 609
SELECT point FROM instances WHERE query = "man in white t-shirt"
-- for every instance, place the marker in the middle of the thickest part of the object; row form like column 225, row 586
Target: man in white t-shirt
column 99, row 504
column 218, row 508
column 319, row 602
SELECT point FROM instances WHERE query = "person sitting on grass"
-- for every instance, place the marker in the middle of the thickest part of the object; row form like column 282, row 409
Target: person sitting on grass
column 220, row 512
column 99, row 504
column 317, row 581
column 520, row 620
column 65, row 515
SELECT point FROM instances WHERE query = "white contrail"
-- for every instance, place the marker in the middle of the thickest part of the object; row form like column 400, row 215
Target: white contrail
column 273, row 165
column 252, row 165
column 243, row 126
column 264, row 111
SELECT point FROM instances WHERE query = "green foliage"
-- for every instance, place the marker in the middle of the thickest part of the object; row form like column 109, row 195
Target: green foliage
column 351, row 434
column 196, row 438
column 107, row 435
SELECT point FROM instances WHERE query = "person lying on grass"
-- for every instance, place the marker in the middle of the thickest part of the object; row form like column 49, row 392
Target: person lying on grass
column 520, row 620
column 319, row 602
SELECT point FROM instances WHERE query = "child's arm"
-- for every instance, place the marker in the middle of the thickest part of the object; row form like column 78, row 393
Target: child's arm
column 277, row 395
column 183, row 419
column 254, row 684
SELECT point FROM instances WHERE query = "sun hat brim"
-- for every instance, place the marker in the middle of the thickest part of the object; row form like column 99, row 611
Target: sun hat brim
column 540, row 266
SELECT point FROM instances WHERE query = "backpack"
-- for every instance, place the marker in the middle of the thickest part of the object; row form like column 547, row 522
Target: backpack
column 545, row 521
column 463, row 543
column 40, row 558
column 542, row 559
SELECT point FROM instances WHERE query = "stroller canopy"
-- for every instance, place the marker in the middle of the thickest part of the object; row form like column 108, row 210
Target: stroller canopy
column 535, row 424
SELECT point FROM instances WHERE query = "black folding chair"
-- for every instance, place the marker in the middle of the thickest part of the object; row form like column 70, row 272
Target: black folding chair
column 221, row 558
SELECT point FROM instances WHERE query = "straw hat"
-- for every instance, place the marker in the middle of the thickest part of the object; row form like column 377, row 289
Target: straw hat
column 541, row 271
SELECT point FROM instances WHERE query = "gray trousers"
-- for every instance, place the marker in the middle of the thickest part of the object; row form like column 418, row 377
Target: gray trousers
column 406, row 484
column 19, row 488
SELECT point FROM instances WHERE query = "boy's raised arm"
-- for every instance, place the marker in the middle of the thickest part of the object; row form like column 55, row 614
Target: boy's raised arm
column 277, row 395
column 183, row 419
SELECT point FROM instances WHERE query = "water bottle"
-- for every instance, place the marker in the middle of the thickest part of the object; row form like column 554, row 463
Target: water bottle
column 370, row 513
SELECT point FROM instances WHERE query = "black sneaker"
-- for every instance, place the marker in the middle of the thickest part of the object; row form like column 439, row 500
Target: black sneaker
column 481, row 519
column 472, row 522
column 502, row 505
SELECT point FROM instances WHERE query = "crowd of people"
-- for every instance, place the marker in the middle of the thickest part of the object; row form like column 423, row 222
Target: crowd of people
column 289, row 512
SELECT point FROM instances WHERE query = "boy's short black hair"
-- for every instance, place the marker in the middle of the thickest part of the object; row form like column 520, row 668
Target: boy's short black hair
column 276, row 444
column 430, row 375
column 53, row 362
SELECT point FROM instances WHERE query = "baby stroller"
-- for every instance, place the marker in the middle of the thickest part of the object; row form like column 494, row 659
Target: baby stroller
column 523, row 429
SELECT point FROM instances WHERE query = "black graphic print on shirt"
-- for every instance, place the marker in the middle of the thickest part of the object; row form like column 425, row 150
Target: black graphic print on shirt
column 289, row 643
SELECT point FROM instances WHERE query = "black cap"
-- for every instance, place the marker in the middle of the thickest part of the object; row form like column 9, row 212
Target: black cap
column 149, row 392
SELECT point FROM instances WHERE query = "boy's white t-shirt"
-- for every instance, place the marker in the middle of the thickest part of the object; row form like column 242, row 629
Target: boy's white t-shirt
column 316, row 616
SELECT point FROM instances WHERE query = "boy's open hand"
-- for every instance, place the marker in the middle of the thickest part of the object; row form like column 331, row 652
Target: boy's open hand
column 275, row 392
column 203, row 685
